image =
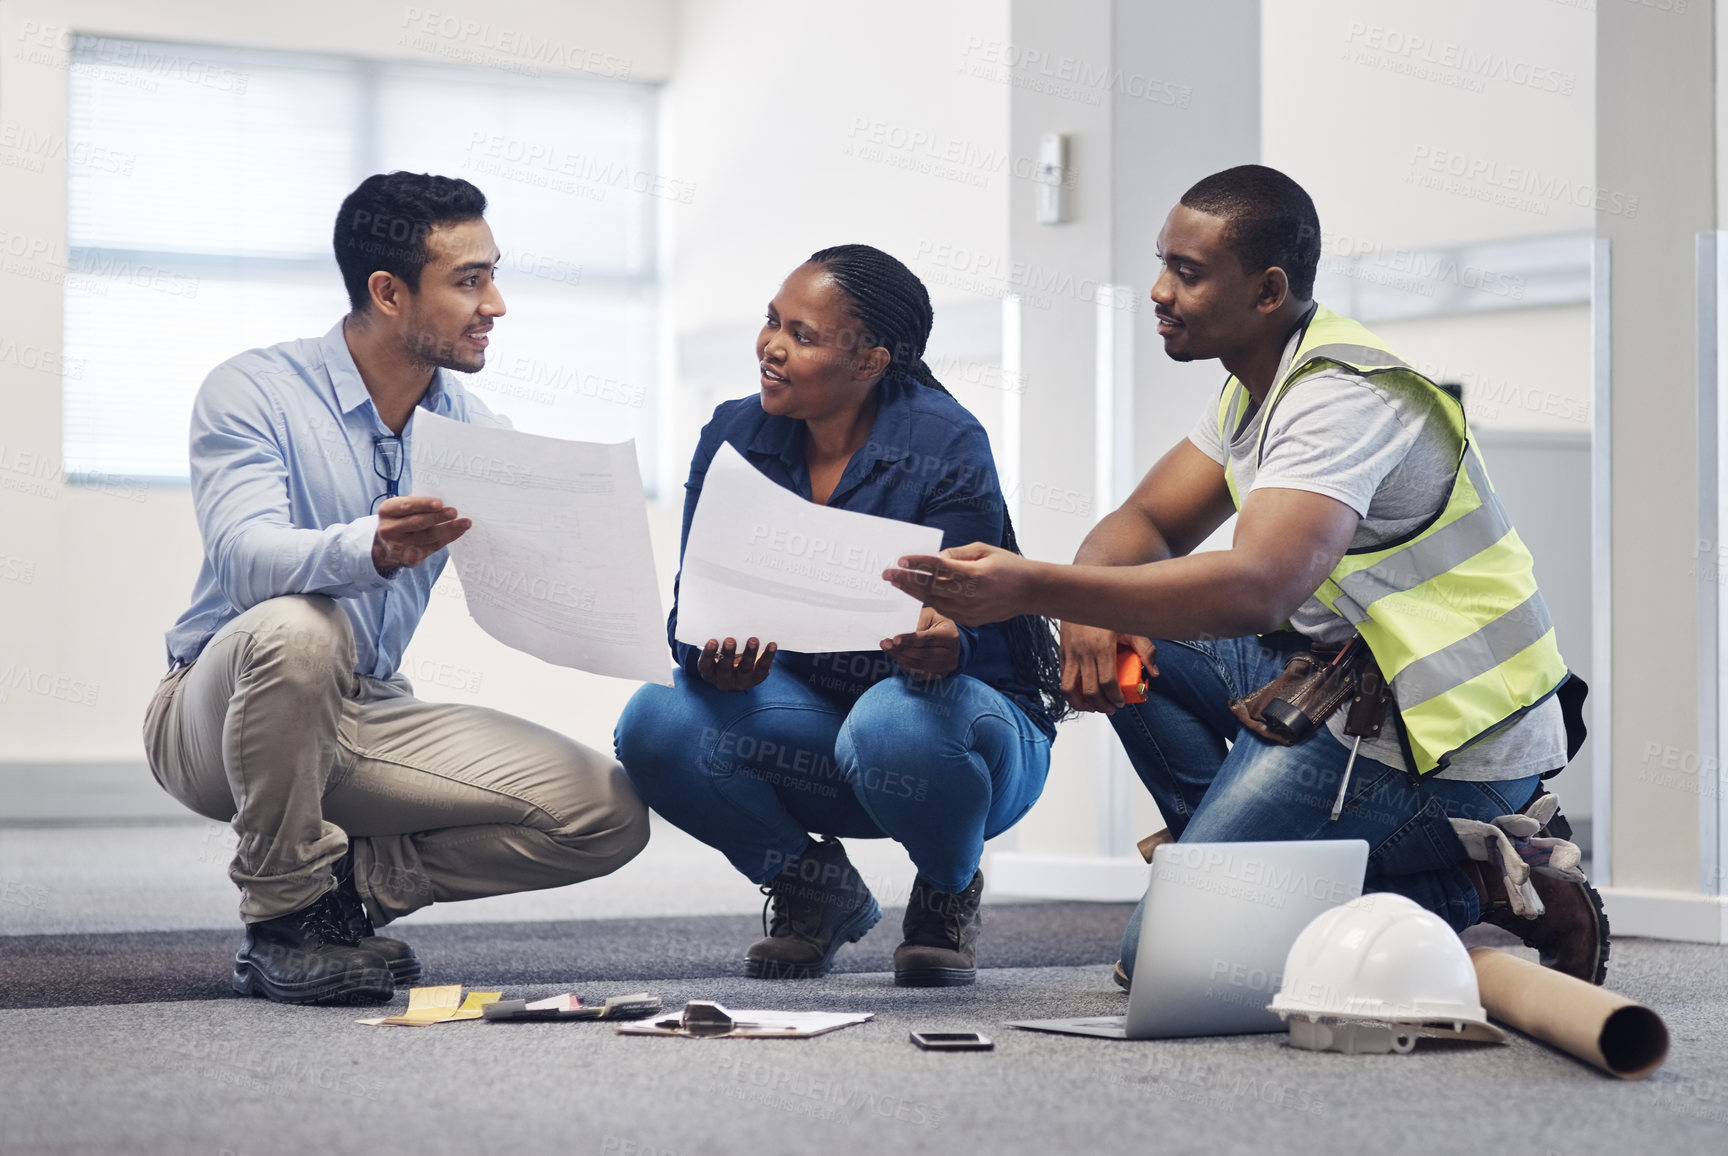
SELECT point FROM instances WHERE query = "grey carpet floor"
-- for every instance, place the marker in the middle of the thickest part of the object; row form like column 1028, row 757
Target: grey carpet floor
column 60, row 970
column 247, row 1078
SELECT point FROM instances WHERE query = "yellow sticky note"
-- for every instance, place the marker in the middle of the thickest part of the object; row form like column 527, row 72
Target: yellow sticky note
column 426, row 1005
column 429, row 1005
column 425, row 1015
column 473, row 1007
column 439, row 1005
column 427, row 998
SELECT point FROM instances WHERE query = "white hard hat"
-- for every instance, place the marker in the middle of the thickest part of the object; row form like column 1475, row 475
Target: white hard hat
column 1374, row 974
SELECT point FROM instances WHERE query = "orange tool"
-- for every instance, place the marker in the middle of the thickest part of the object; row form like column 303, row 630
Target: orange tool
column 1131, row 675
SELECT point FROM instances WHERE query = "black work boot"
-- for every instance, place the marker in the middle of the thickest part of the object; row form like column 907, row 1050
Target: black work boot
column 404, row 966
column 308, row 956
column 1571, row 934
column 819, row 904
column 940, row 949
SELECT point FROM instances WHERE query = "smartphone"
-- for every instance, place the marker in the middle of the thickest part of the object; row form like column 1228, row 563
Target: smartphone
column 952, row 1041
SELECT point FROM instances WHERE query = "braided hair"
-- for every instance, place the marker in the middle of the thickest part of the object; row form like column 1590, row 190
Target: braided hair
column 893, row 311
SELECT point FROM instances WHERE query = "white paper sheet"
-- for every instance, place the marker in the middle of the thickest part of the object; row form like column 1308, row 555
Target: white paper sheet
column 762, row 562
column 789, row 1025
column 558, row 562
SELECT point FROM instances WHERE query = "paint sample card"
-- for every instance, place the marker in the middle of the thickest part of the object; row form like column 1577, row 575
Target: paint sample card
column 761, row 562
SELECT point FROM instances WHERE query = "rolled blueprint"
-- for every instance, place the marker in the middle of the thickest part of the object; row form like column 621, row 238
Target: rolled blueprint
column 1622, row 1038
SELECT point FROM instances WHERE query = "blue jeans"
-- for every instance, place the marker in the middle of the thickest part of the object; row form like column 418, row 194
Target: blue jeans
column 1253, row 790
column 938, row 765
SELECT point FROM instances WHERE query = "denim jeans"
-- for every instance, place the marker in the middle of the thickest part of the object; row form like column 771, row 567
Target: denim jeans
column 1216, row 782
column 938, row 765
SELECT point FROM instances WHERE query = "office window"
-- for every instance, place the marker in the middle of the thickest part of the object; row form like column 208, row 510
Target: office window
column 203, row 185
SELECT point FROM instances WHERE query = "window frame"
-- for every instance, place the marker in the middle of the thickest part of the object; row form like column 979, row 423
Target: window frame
column 648, row 285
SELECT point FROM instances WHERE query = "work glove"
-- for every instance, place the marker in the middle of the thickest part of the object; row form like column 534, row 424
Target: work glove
column 1489, row 844
column 1511, row 845
column 1556, row 857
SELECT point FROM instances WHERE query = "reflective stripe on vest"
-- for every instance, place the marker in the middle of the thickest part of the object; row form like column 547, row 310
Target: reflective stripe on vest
column 1451, row 613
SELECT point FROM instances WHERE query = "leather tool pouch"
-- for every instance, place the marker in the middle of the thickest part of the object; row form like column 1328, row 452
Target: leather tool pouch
column 1312, row 686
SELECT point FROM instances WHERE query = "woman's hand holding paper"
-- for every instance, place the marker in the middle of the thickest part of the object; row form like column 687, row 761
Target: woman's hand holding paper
column 721, row 666
column 932, row 650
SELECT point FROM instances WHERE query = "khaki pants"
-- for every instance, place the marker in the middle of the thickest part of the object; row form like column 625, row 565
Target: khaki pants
column 272, row 729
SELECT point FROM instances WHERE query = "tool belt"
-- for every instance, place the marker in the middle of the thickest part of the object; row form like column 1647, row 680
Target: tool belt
column 1314, row 684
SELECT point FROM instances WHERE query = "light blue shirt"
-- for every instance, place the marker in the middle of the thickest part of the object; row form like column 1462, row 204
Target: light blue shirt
column 283, row 485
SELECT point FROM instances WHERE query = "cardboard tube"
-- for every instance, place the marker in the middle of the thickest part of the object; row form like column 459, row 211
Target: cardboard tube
column 1609, row 1031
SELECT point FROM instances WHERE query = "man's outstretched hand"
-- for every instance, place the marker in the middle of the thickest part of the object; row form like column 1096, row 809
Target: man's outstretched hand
column 971, row 584
column 1089, row 666
column 411, row 530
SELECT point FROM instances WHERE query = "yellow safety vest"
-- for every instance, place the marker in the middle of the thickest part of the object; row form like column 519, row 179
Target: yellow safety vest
column 1450, row 611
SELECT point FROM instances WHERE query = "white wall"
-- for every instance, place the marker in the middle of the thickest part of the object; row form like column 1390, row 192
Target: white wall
column 1408, row 124
column 1418, row 127
column 109, row 569
column 809, row 125
column 1152, row 96
column 1363, row 98
column 1047, row 52
column 1656, row 136
column 806, row 125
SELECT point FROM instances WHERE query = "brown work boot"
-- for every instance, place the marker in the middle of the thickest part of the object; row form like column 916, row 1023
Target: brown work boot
column 941, row 929
column 1154, row 841
column 819, row 904
column 1571, row 934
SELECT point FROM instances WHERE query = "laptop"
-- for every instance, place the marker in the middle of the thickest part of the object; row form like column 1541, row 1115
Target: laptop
column 1219, row 922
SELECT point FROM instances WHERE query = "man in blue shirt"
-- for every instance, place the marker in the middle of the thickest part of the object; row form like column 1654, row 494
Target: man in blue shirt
column 283, row 709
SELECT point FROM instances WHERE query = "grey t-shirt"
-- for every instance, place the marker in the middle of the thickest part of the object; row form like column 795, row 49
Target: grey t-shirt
column 1390, row 457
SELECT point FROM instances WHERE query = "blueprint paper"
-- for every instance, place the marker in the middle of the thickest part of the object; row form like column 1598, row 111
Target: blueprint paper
column 558, row 562
column 785, row 1025
column 763, row 562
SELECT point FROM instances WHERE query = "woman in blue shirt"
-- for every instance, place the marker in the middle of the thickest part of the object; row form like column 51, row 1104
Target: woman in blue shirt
column 941, row 739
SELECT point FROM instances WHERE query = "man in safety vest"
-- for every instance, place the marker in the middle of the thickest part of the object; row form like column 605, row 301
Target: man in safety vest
column 1367, row 522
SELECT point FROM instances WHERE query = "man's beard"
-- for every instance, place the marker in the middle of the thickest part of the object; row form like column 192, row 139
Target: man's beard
column 433, row 352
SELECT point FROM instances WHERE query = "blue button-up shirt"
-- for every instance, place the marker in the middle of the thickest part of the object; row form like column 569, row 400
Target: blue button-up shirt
column 283, row 485
column 927, row 461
